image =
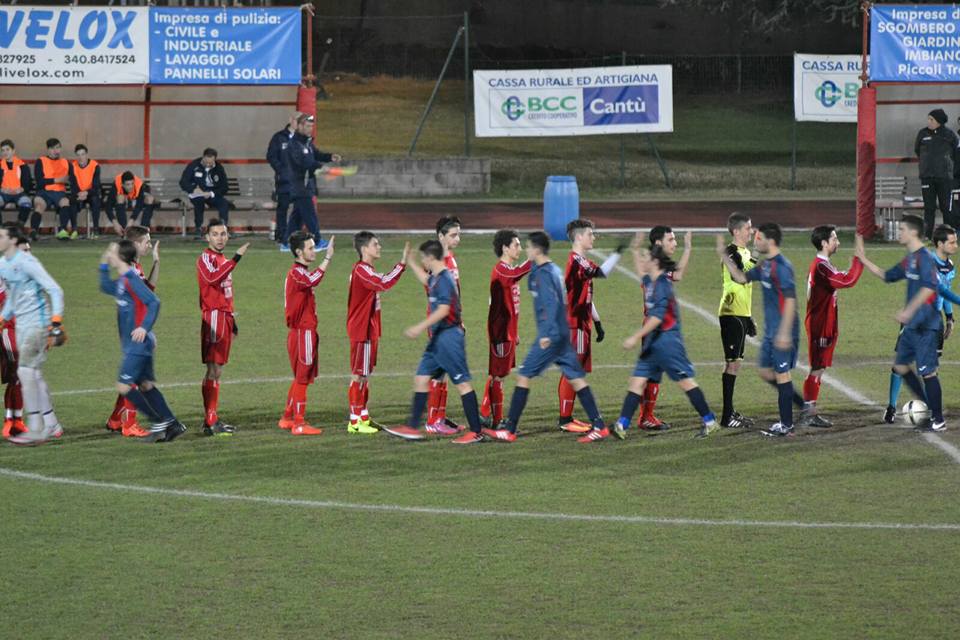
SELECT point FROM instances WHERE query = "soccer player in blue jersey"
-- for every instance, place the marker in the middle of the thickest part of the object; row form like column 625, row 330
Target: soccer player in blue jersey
column 781, row 324
column 922, row 325
column 446, row 352
column 552, row 345
column 36, row 301
column 137, row 309
column 663, row 349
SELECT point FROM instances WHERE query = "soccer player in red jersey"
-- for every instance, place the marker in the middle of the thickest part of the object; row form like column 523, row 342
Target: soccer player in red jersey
column 9, row 361
column 300, row 310
column 822, row 322
column 217, row 325
column 448, row 233
column 581, row 313
column 124, row 416
column 502, row 319
column 363, row 323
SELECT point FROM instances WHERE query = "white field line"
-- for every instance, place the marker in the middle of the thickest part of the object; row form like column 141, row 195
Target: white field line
column 831, row 380
column 474, row 513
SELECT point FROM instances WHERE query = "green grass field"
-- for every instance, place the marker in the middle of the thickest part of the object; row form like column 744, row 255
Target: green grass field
column 98, row 561
column 721, row 147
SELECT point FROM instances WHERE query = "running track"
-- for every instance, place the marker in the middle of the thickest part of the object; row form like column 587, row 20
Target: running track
column 529, row 215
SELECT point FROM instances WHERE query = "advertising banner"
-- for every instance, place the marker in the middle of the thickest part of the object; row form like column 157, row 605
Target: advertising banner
column 120, row 45
column 915, row 43
column 217, row 46
column 573, row 102
column 825, row 87
column 73, row 45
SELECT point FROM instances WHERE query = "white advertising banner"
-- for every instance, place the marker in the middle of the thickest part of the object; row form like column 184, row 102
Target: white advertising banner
column 825, row 87
column 573, row 102
column 74, row 45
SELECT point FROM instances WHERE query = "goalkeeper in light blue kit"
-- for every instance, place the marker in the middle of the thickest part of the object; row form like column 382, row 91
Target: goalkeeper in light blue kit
column 36, row 301
column 137, row 309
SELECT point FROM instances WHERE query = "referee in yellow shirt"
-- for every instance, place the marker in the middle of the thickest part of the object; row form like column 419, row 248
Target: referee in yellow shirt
column 736, row 322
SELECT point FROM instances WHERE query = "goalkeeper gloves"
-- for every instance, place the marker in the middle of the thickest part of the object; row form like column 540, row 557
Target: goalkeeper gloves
column 599, row 328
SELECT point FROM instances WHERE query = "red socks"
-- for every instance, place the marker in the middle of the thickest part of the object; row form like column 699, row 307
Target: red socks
column 296, row 403
column 496, row 401
column 566, row 394
column 650, row 394
column 811, row 389
column 485, row 410
column 436, row 401
column 211, row 394
column 357, row 396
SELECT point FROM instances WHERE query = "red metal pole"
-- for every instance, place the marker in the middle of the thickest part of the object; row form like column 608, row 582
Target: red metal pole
column 146, row 132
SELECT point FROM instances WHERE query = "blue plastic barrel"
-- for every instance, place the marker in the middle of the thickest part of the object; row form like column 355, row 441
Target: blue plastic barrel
column 561, row 204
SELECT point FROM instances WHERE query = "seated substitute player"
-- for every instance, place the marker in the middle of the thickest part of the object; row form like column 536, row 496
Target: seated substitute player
column 446, row 351
column 205, row 183
column 781, row 326
column 124, row 416
column 736, row 316
column 448, row 234
column 137, row 309
column 364, row 324
column 130, row 193
column 582, row 313
column 502, row 318
column 300, row 310
column 822, row 322
column 52, row 174
column 85, row 187
column 15, row 183
column 945, row 246
column 9, row 360
column 663, row 236
column 663, row 350
column 217, row 324
column 551, row 346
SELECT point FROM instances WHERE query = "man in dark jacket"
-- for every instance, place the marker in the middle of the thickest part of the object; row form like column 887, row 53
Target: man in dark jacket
column 276, row 151
column 205, row 182
column 304, row 161
column 935, row 147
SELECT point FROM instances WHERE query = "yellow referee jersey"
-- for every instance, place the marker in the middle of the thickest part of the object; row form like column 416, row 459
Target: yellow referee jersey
column 737, row 298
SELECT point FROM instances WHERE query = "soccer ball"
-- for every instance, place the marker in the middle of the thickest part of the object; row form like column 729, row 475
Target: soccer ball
column 915, row 413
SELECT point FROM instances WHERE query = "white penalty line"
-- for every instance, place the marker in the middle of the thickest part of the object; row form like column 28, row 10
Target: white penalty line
column 830, row 380
column 474, row 513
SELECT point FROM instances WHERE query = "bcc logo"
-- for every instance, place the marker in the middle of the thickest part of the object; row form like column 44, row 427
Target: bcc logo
column 512, row 107
column 828, row 93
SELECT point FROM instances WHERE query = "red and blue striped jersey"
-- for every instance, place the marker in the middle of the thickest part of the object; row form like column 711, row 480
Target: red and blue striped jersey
column 920, row 271
column 442, row 289
column 776, row 276
column 660, row 302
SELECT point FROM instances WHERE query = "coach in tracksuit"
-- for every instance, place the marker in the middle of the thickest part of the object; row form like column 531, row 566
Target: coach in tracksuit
column 276, row 156
column 935, row 147
column 303, row 159
column 205, row 182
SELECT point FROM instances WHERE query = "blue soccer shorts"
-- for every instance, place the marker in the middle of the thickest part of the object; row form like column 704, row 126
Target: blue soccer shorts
column 446, row 353
column 777, row 359
column 920, row 346
column 666, row 354
column 560, row 353
column 135, row 369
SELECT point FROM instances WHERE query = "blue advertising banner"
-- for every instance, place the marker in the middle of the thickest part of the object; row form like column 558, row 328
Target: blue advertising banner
column 915, row 43
column 224, row 46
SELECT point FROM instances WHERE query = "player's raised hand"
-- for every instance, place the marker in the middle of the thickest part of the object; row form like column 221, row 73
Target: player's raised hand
column 639, row 239
column 721, row 245
column 330, row 247
column 858, row 249
column 156, row 251
column 406, row 252
column 688, row 240
column 243, row 249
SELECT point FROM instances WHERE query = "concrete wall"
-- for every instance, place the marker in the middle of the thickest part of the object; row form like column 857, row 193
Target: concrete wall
column 412, row 178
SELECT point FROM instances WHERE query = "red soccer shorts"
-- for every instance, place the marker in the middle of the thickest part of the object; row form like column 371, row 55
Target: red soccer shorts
column 363, row 357
column 9, row 357
column 302, row 349
column 581, row 344
column 503, row 358
column 216, row 335
column 821, row 352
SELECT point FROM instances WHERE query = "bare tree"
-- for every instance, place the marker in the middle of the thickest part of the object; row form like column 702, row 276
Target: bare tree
column 767, row 16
